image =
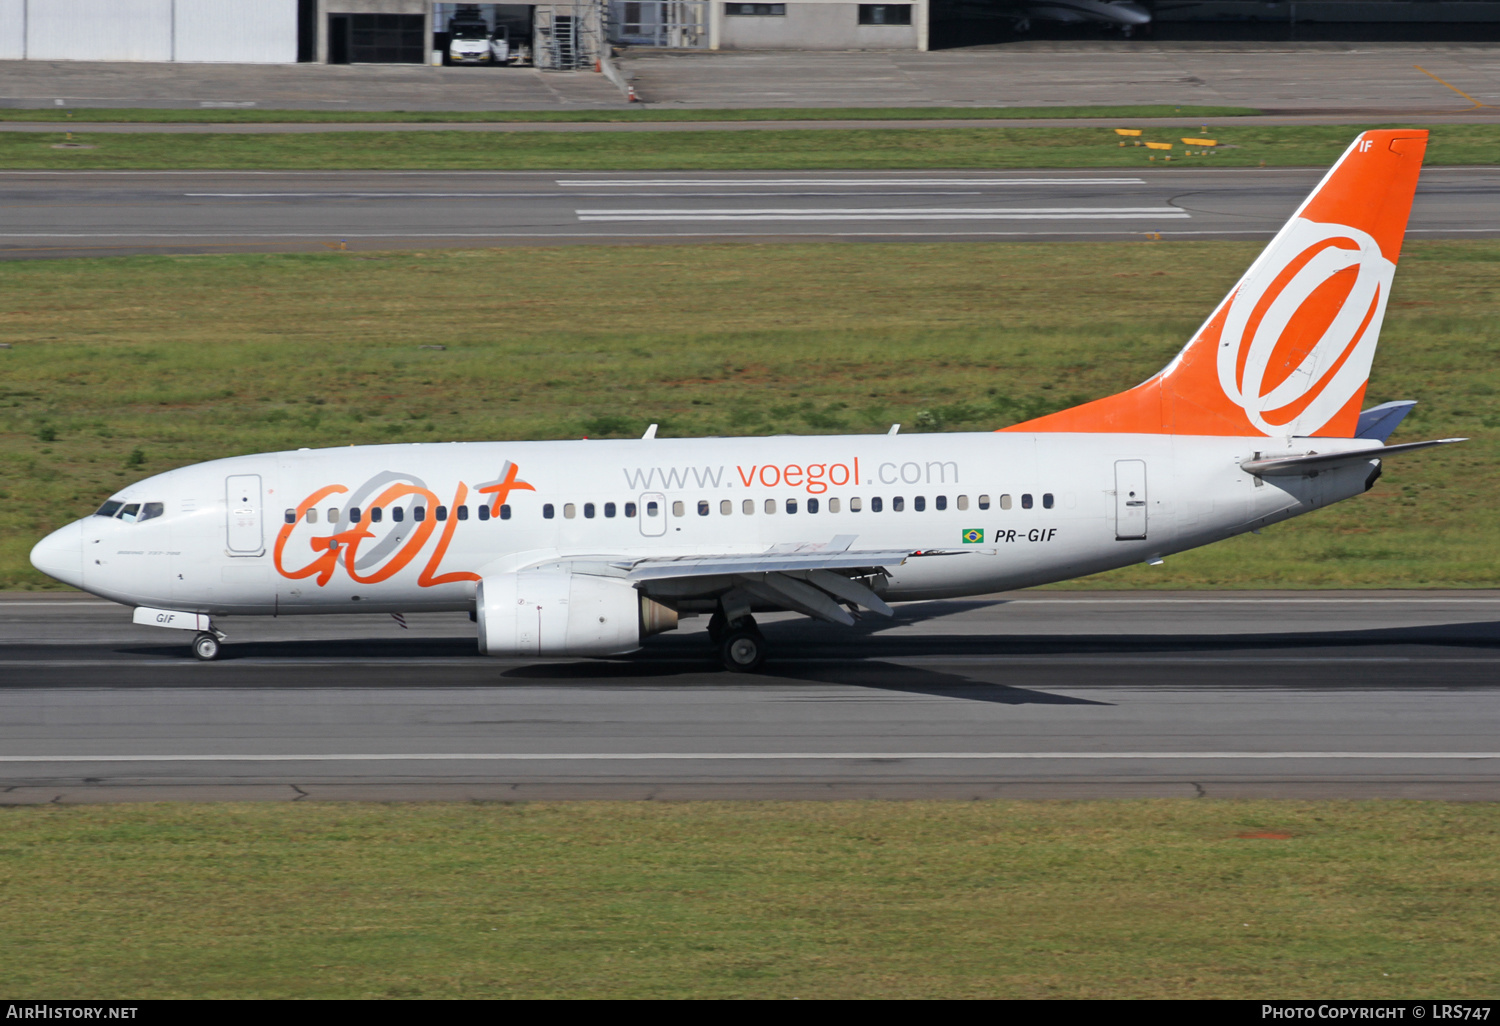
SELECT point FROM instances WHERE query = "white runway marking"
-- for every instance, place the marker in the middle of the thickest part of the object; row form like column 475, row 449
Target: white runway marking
column 735, row 756
column 626, row 183
column 723, row 234
column 888, row 214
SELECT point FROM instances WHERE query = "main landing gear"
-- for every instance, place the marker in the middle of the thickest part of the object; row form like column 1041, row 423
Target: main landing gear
column 741, row 645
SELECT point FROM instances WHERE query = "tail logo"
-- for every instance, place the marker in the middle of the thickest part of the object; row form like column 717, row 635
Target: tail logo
column 1300, row 333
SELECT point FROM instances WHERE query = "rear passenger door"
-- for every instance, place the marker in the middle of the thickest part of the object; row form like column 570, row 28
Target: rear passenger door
column 1130, row 500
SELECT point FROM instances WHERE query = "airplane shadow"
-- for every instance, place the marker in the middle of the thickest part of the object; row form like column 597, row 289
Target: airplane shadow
column 1010, row 668
column 866, row 673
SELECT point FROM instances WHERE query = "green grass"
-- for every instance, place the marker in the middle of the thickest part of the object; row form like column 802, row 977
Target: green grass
column 184, row 359
column 766, row 149
column 1138, row 899
column 643, row 112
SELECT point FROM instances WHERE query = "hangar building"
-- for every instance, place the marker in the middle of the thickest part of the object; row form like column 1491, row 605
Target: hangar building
column 563, row 34
column 569, row 34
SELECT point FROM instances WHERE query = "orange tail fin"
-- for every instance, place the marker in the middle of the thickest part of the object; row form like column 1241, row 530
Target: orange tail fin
column 1288, row 351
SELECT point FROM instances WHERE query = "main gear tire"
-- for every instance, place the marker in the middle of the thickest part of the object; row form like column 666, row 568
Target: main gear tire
column 743, row 650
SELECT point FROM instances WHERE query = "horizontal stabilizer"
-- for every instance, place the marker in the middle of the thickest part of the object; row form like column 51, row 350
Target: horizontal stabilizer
column 1312, row 462
column 1380, row 422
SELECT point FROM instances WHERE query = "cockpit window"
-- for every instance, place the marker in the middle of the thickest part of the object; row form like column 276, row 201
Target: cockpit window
column 109, row 509
column 152, row 510
column 128, row 514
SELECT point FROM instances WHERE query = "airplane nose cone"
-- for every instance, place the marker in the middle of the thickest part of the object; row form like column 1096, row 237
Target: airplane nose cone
column 60, row 554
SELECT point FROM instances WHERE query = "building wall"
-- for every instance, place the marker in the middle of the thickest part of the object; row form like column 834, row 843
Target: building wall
column 99, row 30
column 238, row 31
column 12, row 30
column 814, row 25
column 242, row 31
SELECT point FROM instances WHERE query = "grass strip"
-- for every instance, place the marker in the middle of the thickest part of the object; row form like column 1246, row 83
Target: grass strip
column 638, row 113
column 1119, row 899
column 125, row 367
column 768, row 149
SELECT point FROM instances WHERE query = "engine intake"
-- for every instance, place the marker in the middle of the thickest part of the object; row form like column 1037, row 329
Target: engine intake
column 557, row 613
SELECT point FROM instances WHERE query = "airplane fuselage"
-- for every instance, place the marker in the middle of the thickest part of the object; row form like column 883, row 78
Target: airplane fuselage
column 295, row 532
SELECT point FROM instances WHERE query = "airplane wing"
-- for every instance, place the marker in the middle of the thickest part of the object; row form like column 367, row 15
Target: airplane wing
column 1274, row 466
column 802, row 578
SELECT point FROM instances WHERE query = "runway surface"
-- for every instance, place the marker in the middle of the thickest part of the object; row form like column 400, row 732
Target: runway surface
column 94, row 213
column 1035, row 694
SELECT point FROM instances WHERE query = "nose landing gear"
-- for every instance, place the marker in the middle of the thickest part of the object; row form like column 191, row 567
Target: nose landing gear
column 206, row 646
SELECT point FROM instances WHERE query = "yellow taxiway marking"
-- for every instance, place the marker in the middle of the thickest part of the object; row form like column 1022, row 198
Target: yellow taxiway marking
column 1450, row 85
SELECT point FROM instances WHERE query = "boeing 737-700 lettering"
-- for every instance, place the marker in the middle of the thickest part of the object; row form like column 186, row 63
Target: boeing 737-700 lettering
column 584, row 548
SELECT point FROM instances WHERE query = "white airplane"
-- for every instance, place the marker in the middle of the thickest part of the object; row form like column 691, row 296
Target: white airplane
column 584, row 548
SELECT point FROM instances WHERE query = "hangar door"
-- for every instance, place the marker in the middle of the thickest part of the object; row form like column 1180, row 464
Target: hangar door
column 377, row 39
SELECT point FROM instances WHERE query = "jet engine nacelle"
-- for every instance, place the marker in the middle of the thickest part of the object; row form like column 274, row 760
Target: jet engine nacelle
column 557, row 613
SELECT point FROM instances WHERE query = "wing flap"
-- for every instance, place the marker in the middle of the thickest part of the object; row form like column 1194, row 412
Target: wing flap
column 653, row 568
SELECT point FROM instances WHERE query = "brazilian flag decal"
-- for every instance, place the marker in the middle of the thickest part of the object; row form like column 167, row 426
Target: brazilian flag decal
column 974, row 536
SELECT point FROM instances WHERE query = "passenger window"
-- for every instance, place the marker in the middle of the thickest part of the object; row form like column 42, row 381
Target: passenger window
column 791, row 505
column 652, row 509
column 630, row 509
column 919, row 503
column 440, row 514
column 505, row 511
column 725, row 507
column 703, row 509
column 128, row 513
column 547, row 512
column 1005, row 501
column 376, row 514
column 462, row 512
column 941, row 502
column 875, row 504
column 483, row 509
column 770, row 505
column 569, row 510
column 109, row 509
column 1025, row 500
column 609, row 509
column 856, row 504
column 833, row 505
column 419, row 513
column 354, row 514
column 678, row 509
column 311, row 516
column 333, row 514
column 588, row 511
column 812, row 505
column 1046, row 500
column 984, row 502
column 963, row 502
column 398, row 514
column 898, row 504
column 748, row 507
column 291, row 516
